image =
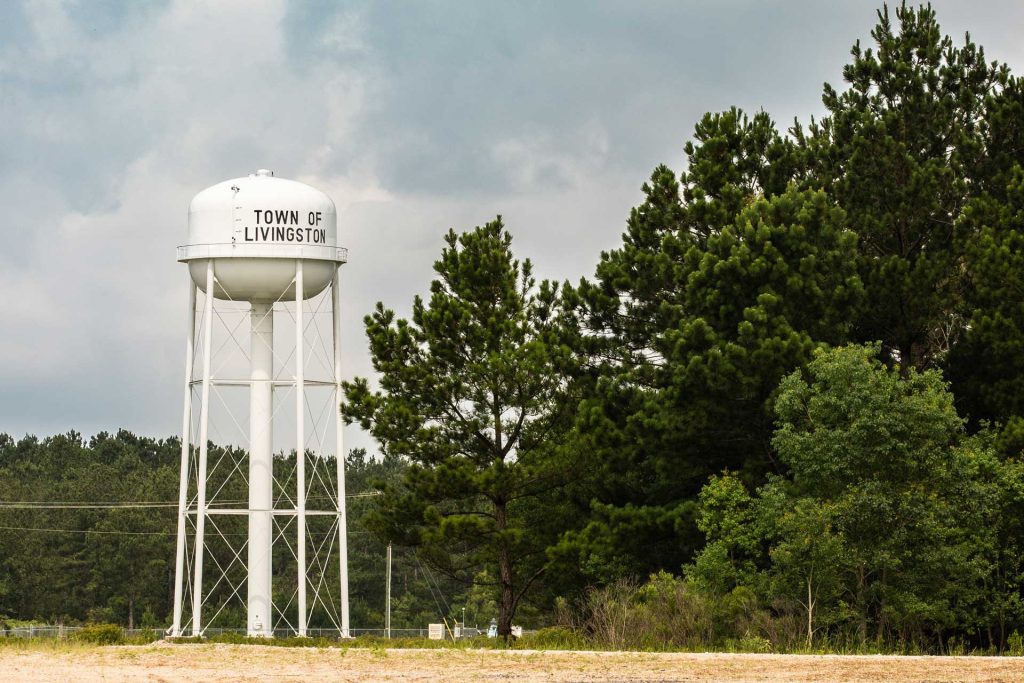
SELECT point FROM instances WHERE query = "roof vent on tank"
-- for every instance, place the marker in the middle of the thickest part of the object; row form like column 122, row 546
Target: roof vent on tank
column 256, row 229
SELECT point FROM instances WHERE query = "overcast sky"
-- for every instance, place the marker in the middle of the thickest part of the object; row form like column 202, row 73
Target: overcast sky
column 415, row 117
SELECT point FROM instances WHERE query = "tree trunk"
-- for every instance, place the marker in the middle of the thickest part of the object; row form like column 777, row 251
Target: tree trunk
column 131, row 613
column 507, row 603
column 810, row 614
column 906, row 359
column 862, row 628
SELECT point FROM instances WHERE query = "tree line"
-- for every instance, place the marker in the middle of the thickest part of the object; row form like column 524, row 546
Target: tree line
column 85, row 557
column 794, row 387
column 786, row 411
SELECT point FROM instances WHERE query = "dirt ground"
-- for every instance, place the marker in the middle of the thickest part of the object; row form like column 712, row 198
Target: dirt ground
column 167, row 662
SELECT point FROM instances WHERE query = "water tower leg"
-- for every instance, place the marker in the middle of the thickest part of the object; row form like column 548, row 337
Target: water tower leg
column 261, row 463
column 300, row 445
column 340, row 455
column 204, row 434
column 186, row 436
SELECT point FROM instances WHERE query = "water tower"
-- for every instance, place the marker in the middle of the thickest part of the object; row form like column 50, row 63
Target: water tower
column 260, row 247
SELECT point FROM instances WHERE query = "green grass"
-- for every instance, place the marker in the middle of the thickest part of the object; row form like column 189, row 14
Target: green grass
column 43, row 644
column 554, row 638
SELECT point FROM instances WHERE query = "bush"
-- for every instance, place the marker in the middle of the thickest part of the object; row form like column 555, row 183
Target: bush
column 750, row 643
column 611, row 613
column 101, row 634
column 1015, row 644
column 553, row 638
column 144, row 637
column 676, row 614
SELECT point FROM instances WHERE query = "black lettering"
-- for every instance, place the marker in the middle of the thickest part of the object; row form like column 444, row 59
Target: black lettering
column 290, row 232
column 247, row 238
column 318, row 218
column 298, row 234
column 312, row 216
column 257, row 212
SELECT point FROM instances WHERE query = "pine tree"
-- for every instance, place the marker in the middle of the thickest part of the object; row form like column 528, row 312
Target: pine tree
column 466, row 389
column 900, row 151
column 723, row 285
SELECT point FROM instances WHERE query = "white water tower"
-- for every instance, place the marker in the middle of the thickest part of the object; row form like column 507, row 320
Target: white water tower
column 260, row 247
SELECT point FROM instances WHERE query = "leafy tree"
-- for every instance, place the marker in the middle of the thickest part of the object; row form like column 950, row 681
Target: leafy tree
column 466, row 389
column 885, row 521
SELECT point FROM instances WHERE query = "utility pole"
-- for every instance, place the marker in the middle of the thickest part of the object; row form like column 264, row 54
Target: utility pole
column 387, row 594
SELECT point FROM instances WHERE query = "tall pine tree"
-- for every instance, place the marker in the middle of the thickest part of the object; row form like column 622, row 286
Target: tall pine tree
column 467, row 387
column 900, row 151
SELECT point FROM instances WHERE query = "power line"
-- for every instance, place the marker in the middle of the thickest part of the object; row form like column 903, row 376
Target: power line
column 89, row 531
column 129, row 533
column 131, row 505
column 32, row 505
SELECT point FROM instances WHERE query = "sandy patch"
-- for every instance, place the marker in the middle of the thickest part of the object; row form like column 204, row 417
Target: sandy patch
column 216, row 662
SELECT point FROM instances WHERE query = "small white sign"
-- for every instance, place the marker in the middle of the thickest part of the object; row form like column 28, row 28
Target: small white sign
column 435, row 631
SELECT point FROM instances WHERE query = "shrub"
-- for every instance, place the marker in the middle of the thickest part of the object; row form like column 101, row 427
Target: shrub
column 611, row 614
column 553, row 638
column 752, row 643
column 101, row 634
column 1015, row 644
column 144, row 637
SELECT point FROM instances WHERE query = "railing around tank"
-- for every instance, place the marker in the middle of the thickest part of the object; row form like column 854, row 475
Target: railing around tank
column 190, row 252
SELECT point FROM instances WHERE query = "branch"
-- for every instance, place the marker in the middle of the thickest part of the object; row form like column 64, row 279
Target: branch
column 526, row 587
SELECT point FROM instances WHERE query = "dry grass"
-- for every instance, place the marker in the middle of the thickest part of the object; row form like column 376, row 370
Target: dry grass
column 217, row 662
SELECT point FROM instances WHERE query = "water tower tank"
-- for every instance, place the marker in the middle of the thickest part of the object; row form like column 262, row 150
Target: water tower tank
column 272, row 244
column 255, row 228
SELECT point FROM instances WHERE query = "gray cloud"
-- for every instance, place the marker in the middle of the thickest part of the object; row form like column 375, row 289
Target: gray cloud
column 414, row 117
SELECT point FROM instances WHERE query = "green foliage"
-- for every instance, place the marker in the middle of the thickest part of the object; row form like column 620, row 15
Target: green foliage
column 553, row 638
column 107, row 565
column 750, row 643
column 987, row 366
column 666, row 613
column 116, row 565
column 752, row 302
column 901, row 150
column 732, row 158
column 746, row 390
column 101, row 634
column 466, row 391
column 891, row 524
column 1015, row 644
